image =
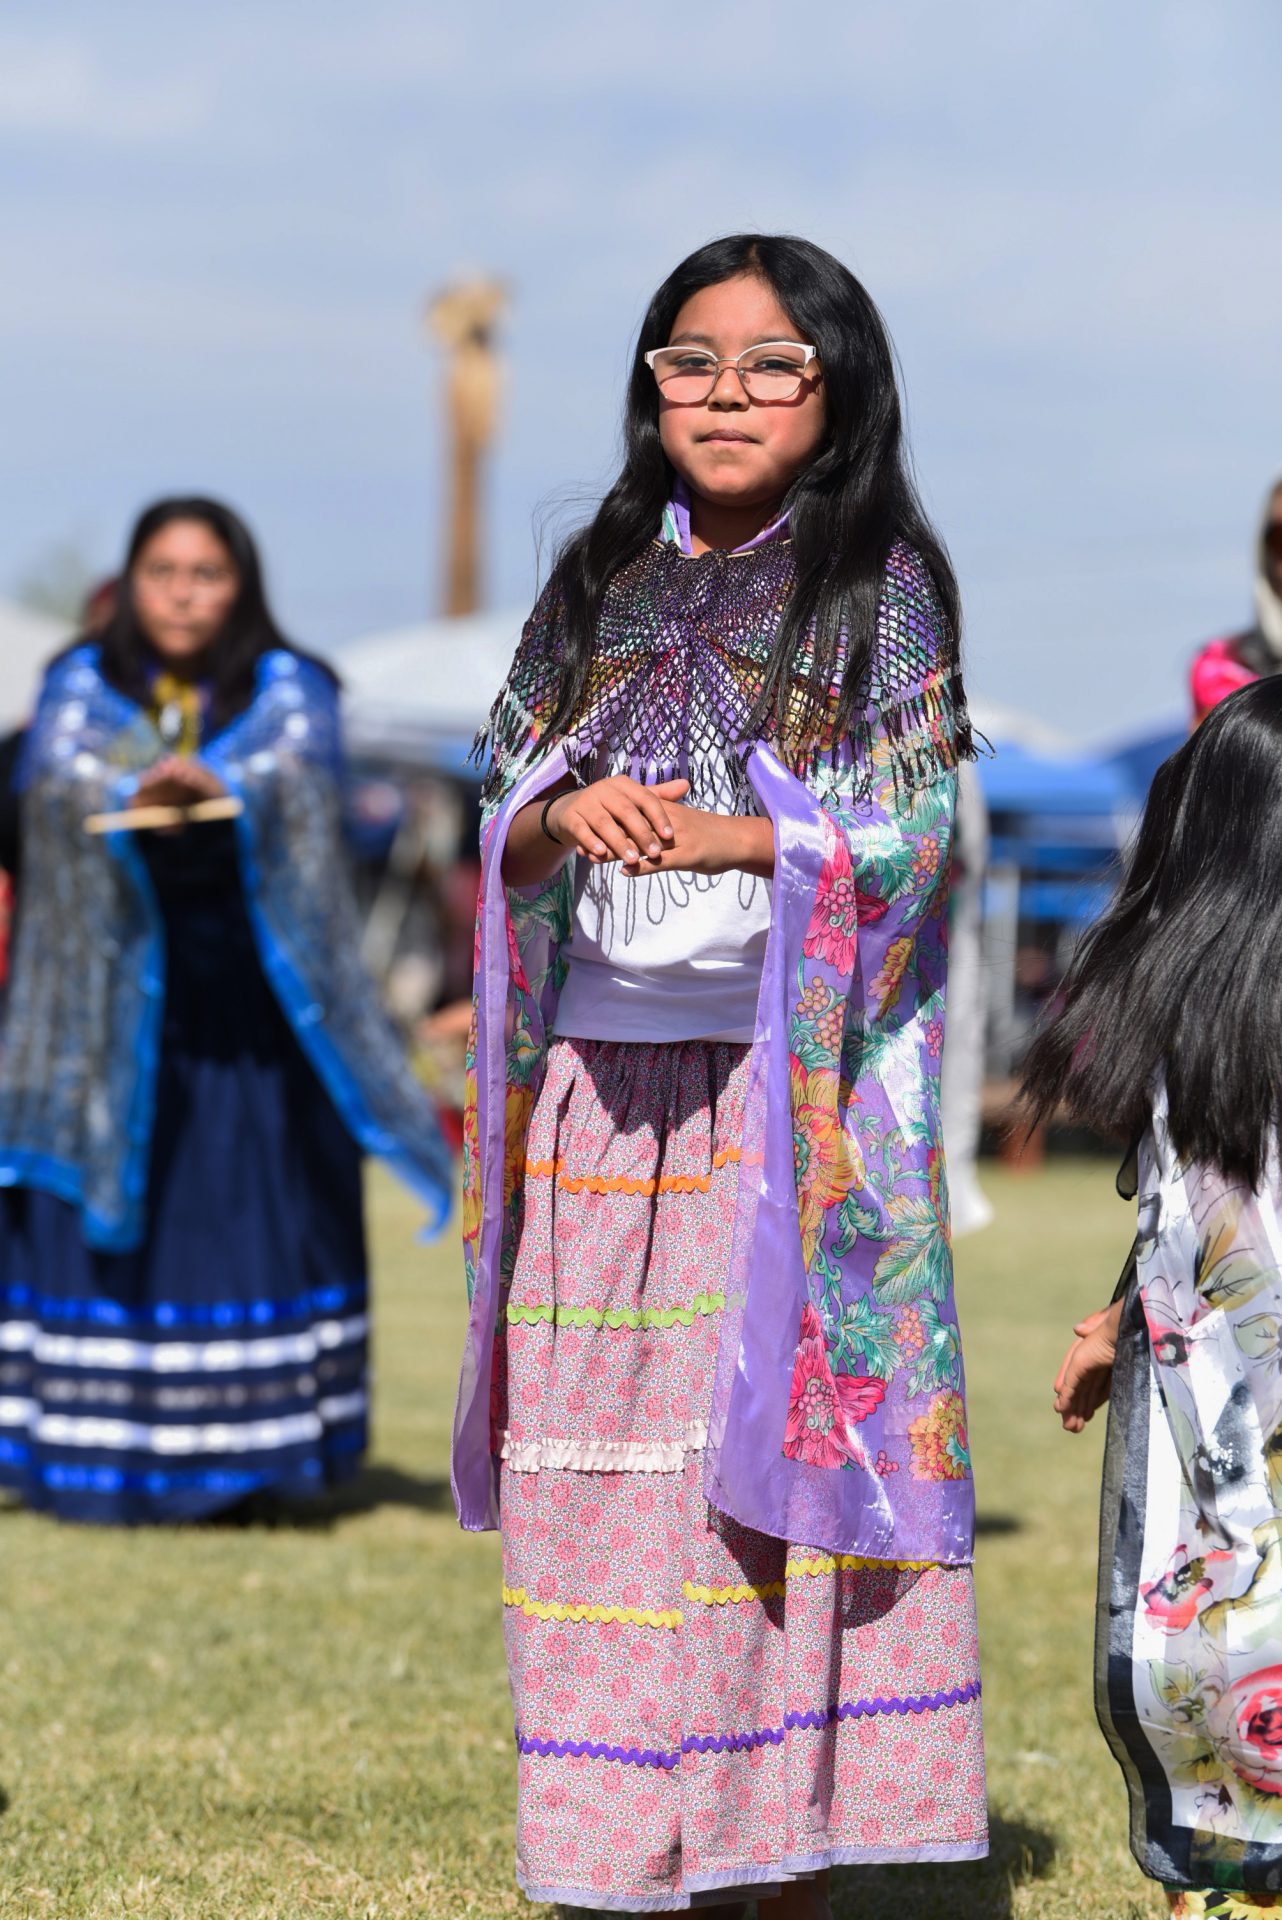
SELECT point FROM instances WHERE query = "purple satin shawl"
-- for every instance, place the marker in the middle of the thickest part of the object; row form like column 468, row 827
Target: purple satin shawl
column 747, row 1474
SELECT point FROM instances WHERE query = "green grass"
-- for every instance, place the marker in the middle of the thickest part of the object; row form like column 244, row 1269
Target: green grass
column 312, row 1719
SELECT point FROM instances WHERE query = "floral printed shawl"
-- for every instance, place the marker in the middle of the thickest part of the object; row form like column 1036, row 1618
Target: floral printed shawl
column 838, row 1417
column 1189, row 1635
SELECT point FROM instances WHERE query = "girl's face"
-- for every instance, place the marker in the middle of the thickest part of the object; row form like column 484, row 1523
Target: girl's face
column 730, row 449
column 184, row 584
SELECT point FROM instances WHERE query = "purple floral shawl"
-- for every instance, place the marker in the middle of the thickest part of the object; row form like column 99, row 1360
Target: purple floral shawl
column 838, row 1417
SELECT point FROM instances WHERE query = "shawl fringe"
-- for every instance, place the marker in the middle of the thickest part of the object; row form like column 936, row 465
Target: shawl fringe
column 639, row 711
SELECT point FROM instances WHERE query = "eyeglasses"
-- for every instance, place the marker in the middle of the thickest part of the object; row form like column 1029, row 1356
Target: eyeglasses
column 203, row 579
column 774, row 370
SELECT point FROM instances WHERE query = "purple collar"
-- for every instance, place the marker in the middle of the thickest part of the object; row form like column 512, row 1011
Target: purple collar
column 676, row 523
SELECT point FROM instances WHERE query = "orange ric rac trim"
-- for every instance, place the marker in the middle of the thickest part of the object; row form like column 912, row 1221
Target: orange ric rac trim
column 620, row 1183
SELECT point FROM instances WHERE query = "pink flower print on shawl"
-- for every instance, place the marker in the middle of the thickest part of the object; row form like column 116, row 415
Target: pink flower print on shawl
column 520, row 979
column 840, row 909
column 824, row 1407
column 1246, row 1725
column 1173, row 1600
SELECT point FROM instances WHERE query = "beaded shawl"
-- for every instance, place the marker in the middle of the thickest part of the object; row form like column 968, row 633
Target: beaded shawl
column 680, row 662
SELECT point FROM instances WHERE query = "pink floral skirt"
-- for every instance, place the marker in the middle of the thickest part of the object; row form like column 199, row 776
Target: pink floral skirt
column 699, row 1708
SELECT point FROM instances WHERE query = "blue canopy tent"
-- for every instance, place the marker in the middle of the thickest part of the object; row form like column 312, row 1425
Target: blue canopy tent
column 1058, row 822
column 1139, row 760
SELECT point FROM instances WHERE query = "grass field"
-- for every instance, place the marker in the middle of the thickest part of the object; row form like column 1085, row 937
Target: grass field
column 311, row 1719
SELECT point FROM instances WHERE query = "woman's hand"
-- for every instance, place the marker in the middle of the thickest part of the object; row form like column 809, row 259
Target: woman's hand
column 1085, row 1380
column 175, row 782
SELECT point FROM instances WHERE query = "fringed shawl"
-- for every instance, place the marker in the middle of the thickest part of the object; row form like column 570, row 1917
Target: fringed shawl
column 679, row 666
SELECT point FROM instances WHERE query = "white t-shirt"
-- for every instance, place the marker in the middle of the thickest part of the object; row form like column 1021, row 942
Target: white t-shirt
column 664, row 956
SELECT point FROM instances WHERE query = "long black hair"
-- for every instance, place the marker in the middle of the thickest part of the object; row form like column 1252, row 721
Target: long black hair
column 1184, row 972
column 846, row 509
column 250, row 630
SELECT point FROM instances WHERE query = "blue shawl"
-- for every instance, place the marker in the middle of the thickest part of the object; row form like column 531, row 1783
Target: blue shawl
column 82, row 1036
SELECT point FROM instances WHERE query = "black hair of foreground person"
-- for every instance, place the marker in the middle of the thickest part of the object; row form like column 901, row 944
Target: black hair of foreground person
column 1184, row 972
column 251, row 628
column 846, row 508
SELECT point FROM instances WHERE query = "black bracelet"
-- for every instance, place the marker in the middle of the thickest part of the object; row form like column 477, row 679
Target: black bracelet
column 543, row 820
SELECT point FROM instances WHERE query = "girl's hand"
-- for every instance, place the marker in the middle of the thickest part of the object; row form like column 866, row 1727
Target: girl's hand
column 644, row 829
column 618, row 819
column 1085, row 1380
column 174, row 782
column 714, row 843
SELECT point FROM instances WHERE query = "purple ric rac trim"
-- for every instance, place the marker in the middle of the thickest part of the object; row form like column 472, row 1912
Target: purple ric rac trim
column 594, row 1750
column 745, row 1742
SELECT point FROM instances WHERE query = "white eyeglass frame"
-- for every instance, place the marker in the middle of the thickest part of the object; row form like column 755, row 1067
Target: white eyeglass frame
column 719, row 361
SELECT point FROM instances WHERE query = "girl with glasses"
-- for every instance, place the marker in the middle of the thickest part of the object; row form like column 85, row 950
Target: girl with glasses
column 712, row 1393
column 1170, row 1035
column 193, row 1062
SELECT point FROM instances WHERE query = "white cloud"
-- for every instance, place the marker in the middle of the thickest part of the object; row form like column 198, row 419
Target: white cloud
column 59, row 85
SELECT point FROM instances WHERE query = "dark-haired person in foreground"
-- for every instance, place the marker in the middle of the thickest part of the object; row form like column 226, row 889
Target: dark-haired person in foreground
column 1171, row 1034
column 193, row 1062
column 712, row 1392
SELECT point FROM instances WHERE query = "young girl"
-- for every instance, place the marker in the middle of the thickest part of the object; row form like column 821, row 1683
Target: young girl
column 193, row 1062
column 1171, row 1033
column 712, row 1392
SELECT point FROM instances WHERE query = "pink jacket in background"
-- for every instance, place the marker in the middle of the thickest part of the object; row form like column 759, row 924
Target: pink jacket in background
column 1217, row 672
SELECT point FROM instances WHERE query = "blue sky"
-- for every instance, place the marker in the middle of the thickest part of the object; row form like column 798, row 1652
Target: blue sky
column 219, row 225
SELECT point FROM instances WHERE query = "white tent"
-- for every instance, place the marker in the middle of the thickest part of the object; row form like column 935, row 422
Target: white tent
column 423, row 691
column 27, row 642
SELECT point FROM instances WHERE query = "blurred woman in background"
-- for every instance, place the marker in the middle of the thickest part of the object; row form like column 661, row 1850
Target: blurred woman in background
column 193, row 1063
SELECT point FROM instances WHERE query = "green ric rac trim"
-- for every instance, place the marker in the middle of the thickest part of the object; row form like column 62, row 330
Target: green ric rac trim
column 633, row 1317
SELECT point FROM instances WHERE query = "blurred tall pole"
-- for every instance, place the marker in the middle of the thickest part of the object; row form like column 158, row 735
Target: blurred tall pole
column 464, row 319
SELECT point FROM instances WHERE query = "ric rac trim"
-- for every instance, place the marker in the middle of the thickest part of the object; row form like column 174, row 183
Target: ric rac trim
column 531, row 1313
column 756, row 1736
column 622, row 1183
column 520, row 1599
column 797, row 1569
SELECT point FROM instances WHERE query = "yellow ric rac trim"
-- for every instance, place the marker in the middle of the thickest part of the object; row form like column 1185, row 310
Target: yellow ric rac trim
column 854, row 1563
column 585, row 1610
column 815, row 1563
column 718, row 1596
column 620, row 1183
